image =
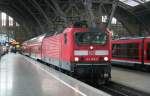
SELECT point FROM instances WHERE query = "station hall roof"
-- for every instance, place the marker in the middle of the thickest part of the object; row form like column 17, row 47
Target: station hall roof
column 39, row 16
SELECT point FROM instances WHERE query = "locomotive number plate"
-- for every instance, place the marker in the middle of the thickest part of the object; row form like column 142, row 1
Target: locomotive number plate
column 91, row 52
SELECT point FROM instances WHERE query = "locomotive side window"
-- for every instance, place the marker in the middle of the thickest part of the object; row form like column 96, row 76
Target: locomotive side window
column 148, row 51
column 90, row 38
column 65, row 38
column 125, row 51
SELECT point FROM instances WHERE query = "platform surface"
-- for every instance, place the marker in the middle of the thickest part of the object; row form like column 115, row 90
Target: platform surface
column 22, row 76
column 132, row 78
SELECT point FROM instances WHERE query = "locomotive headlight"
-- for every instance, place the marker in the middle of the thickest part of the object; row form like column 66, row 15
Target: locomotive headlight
column 106, row 59
column 91, row 47
column 76, row 59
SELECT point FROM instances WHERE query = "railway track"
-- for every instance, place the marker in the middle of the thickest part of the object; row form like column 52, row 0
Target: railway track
column 121, row 90
column 116, row 89
column 135, row 68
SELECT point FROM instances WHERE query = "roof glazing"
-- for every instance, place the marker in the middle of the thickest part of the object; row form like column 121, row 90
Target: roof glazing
column 133, row 2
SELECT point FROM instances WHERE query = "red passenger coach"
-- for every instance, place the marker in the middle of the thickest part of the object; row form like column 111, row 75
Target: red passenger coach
column 146, row 51
column 32, row 47
column 78, row 50
column 131, row 52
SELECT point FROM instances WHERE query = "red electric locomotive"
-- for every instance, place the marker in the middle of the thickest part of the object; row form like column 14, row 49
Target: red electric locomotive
column 131, row 52
column 79, row 50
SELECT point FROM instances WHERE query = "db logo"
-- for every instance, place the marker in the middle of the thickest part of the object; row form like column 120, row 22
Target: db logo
column 91, row 52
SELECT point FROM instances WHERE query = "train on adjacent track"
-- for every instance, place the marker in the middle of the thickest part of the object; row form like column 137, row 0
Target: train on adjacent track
column 133, row 52
column 78, row 50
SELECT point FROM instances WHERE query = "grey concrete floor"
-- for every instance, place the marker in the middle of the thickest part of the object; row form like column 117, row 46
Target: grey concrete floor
column 21, row 76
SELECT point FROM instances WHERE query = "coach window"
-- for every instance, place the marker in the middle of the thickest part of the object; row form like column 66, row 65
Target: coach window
column 125, row 51
column 65, row 38
column 148, row 51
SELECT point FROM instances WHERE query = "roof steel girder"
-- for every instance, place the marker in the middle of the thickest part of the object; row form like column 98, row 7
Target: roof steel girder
column 36, row 5
column 25, row 18
column 88, row 8
column 61, row 13
column 28, row 9
column 114, row 6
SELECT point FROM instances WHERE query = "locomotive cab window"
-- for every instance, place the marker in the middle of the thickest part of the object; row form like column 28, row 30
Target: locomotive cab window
column 65, row 38
column 91, row 38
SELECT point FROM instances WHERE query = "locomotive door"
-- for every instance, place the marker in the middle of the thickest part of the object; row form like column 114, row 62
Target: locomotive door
column 147, row 51
column 60, row 52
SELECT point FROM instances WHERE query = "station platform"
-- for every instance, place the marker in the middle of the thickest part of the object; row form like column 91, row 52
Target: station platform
column 22, row 76
column 131, row 78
